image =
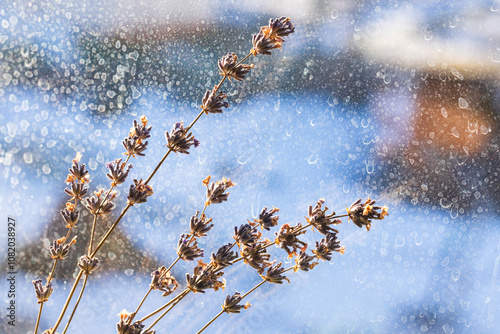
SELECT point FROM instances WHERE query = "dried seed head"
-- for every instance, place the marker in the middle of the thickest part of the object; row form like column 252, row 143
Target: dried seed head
column 362, row 214
column 139, row 192
column 271, row 36
column 124, row 327
column 320, row 220
column 70, row 216
column 42, row 292
column 78, row 173
column 256, row 256
column 200, row 226
column 273, row 274
column 117, row 172
column 246, row 235
column 229, row 66
column 223, row 257
column 326, row 247
column 163, row 281
column 76, row 191
column 100, row 205
column 286, row 238
column 204, row 278
column 187, row 248
column 267, row 219
column 304, row 262
column 216, row 190
column 59, row 250
column 88, row 264
column 213, row 101
column 179, row 141
column 231, row 305
column 134, row 143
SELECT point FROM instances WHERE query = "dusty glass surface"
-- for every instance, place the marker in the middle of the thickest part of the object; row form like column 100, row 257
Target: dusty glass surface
column 394, row 101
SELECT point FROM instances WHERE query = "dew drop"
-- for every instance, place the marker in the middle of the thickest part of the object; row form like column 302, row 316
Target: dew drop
column 400, row 240
column 462, row 103
column 334, row 14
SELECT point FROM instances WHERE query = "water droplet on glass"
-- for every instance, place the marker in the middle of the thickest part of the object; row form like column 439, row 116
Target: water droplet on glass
column 370, row 166
column 400, row 240
column 455, row 273
column 454, row 211
column 129, row 272
column 313, row 159
column 334, row 14
column 445, row 261
column 462, row 103
column 444, row 112
column 454, row 132
column 445, row 203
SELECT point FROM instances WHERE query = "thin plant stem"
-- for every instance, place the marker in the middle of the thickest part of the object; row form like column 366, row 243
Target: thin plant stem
column 132, row 316
column 179, row 298
column 65, row 307
column 76, row 305
column 38, row 318
column 110, row 230
column 52, row 271
column 92, row 234
column 164, row 306
column 210, row 322
column 224, row 310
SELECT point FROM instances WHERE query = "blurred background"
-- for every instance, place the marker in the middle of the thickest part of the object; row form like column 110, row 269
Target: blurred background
column 395, row 101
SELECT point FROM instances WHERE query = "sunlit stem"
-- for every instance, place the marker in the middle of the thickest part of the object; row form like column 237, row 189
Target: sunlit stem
column 132, row 316
column 38, row 318
column 181, row 295
column 76, row 305
column 224, row 310
column 52, row 271
column 65, row 307
column 179, row 298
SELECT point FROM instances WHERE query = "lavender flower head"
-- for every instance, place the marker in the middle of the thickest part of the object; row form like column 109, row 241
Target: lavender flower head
column 187, row 248
column 212, row 103
column 100, row 205
column 78, row 173
column 139, row 192
column 271, row 36
column 117, row 172
column 362, row 214
column 59, row 249
column 216, row 190
column 229, row 66
column 135, row 143
column 231, row 305
column 223, row 257
column 178, row 141
column 200, row 226
column 42, row 292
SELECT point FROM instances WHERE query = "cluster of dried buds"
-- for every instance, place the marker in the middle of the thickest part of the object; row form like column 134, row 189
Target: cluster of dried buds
column 118, row 171
column 135, row 143
column 163, row 281
column 179, row 141
column 362, row 214
column 100, row 205
column 205, row 277
column 60, row 249
column 216, row 191
column 139, row 192
column 271, row 36
column 125, row 327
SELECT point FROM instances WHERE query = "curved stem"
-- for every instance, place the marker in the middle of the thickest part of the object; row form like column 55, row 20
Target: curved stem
column 52, row 271
column 132, row 316
column 76, row 305
column 179, row 298
column 38, row 318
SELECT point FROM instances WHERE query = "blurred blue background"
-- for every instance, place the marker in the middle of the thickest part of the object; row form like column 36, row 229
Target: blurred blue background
column 397, row 101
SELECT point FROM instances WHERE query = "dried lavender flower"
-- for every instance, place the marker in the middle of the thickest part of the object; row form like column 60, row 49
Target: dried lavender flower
column 76, row 191
column 231, row 305
column 187, row 248
column 229, row 66
column 256, row 256
column 139, row 192
column 59, row 250
column 286, row 238
column 223, row 257
column 178, row 141
column 273, row 274
column 266, row 219
column 100, row 205
column 326, row 247
column 70, row 215
column 200, row 226
column 204, row 279
column 213, row 101
column 88, row 264
column 320, row 220
column 124, row 327
column 78, row 172
column 216, row 190
column 304, row 262
column 246, row 234
column 42, row 292
column 117, row 172
column 361, row 214
column 134, row 143
column 163, row 281
column 271, row 36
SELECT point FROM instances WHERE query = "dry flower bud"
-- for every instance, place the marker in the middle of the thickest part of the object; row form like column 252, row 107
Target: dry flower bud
column 212, row 103
column 200, row 226
column 362, row 214
column 117, row 172
column 163, row 281
column 42, row 292
column 88, row 264
column 223, row 257
column 231, row 305
column 187, row 248
column 179, row 141
column 59, row 250
column 286, row 238
column 76, row 191
column 216, row 191
column 229, row 66
column 267, row 219
column 139, row 192
column 273, row 274
column 70, row 217
column 304, row 262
